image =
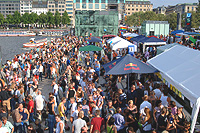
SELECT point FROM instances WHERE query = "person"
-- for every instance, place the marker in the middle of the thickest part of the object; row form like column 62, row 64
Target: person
column 119, row 119
column 25, row 115
column 131, row 94
column 99, row 100
column 145, row 104
column 157, row 91
column 51, row 114
column 73, row 105
column 97, row 123
column 39, row 104
column 31, row 108
column 8, row 125
column 62, row 109
column 171, row 125
column 3, row 129
column 5, row 97
column 41, row 69
column 60, row 125
column 79, row 94
column 180, row 120
column 16, row 116
column 85, row 108
column 157, row 110
column 162, row 120
column 3, row 112
column 146, row 121
column 78, row 124
column 164, row 98
column 110, row 110
column 55, row 91
column 74, row 116
column 173, row 107
column 94, row 109
column 30, row 129
column 122, row 99
column 110, row 125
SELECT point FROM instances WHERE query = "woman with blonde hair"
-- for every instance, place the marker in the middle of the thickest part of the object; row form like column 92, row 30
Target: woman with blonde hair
column 79, row 94
column 146, row 121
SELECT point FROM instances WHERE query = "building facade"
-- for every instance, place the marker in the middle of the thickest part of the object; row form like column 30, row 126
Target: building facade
column 186, row 7
column 39, row 6
column 56, row 5
column 9, row 6
column 25, row 6
column 70, row 10
column 160, row 10
column 133, row 6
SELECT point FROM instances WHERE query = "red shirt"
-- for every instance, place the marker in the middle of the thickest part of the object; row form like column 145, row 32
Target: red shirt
column 30, row 104
column 91, row 107
column 97, row 122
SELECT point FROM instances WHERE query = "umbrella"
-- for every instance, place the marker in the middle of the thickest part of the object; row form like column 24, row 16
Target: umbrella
column 176, row 31
column 93, row 39
column 90, row 48
column 128, row 64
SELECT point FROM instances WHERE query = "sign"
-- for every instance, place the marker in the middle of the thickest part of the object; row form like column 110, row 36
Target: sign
column 131, row 50
column 188, row 21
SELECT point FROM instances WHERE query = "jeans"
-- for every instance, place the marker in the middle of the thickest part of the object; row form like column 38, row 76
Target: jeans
column 40, row 76
column 12, row 104
column 51, row 122
column 19, row 127
column 31, row 119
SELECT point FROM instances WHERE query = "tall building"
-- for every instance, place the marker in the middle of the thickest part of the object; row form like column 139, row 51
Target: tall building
column 70, row 10
column 25, row 6
column 56, row 5
column 133, row 6
column 160, row 10
column 40, row 6
column 186, row 7
column 9, row 6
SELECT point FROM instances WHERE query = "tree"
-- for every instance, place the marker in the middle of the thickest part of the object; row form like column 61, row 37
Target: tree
column 42, row 19
column 9, row 19
column 50, row 18
column 198, row 8
column 57, row 18
column 172, row 20
column 25, row 18
column 16, row 18
column 2, row 19
column 65, row 18
column 33, row 18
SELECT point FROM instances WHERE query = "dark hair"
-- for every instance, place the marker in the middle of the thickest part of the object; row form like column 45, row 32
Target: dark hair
column 158, row 102
column 118, row 110
column 111, row 121
column 51, row 98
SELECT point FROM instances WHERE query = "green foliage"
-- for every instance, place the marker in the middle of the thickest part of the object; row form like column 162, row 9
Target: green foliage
column 33, row 18
column 50, row 18
column 16, row 18
column 57, row 18
column 1, row 18
column 9, row 19
column 172, row 20
column 65, row 18
column 42, row 18
column 25, row 18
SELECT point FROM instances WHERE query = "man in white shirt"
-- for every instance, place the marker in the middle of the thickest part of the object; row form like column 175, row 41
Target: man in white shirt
column 3, row 129
column 39, row 101
column 74, row 116
column 78, row 124
column 145, row 104
column 41, row 68
column 157, row 91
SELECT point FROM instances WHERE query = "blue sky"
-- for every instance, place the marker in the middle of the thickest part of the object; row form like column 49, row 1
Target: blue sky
column 157, row 3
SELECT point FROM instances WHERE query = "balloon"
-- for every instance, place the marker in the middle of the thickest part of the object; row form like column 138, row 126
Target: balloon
column 105, row 30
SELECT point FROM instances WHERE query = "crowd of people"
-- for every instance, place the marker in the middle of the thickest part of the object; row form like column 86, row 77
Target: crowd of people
column 79, row 97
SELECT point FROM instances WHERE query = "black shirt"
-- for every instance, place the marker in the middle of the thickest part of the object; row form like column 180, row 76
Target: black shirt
column 4, row 95
column 162, row 121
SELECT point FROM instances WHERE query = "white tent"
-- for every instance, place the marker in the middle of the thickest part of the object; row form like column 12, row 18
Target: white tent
column 123, row 44
column 130, row 35
column 114, row 39
column 179, row 66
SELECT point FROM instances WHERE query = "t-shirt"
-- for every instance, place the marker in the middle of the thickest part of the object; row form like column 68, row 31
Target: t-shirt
column 8, row 125
column 78, row 124
column 39, row 102
column 30, row 104
column 157, row 93
column 162, row 121
column 73, row 108
column 97, row 122
column 144, row 105
column 3, row 130
column 119, row 121
column 75, row 114
column 55, row 89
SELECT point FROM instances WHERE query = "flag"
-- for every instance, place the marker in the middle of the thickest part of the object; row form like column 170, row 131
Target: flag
column 192, row 39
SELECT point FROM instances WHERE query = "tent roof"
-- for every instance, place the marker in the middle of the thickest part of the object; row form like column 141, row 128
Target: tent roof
column 114, row 39
column 130, row 35
column 93, row 39
column 138, row 38
column 177, row 31
column 180, row 67
column 161, row 49
column 90, row 48
column 151, row 39
column 122, row 44
column 128, row 64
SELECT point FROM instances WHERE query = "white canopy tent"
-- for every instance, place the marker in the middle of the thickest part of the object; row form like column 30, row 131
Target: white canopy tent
column 123, row 44
column 130, row 35
column 114, row 39
column 179, row 66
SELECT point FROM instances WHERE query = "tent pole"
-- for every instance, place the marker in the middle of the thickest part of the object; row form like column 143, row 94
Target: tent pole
column 128, row 81
column 195, row 112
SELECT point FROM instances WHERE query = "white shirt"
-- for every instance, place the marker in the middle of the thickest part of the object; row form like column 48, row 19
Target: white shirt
column 55, row 89
column 3, row 130
column 75, row 115
column 157, row 93
column 144, row 105
column 39, row 101
column 41, row 68
column 73, row 108
column 83, row 85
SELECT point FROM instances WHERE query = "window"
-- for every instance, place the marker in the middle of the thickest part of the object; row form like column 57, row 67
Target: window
column 132, row 9
column 63, row 6
column 136, row 9
column 132, row 5
column 128, row 5
column 77, row 5
column 103, row 6
column 140, row 5
column 128, row 8
column 144, row 9
column 59, row 6
column 70, row 12
column 56, row 9
column 52, row 9
column 62, row 9
column 71, row 5
column 140, row 9
column 144, row 5
column 96, row 6
column 136, row 5
column 59, row 9
column 69, row 8
column 84, row 6
column 128, row 12
column 90, row 6
column 68, row 1
column 52, row 6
